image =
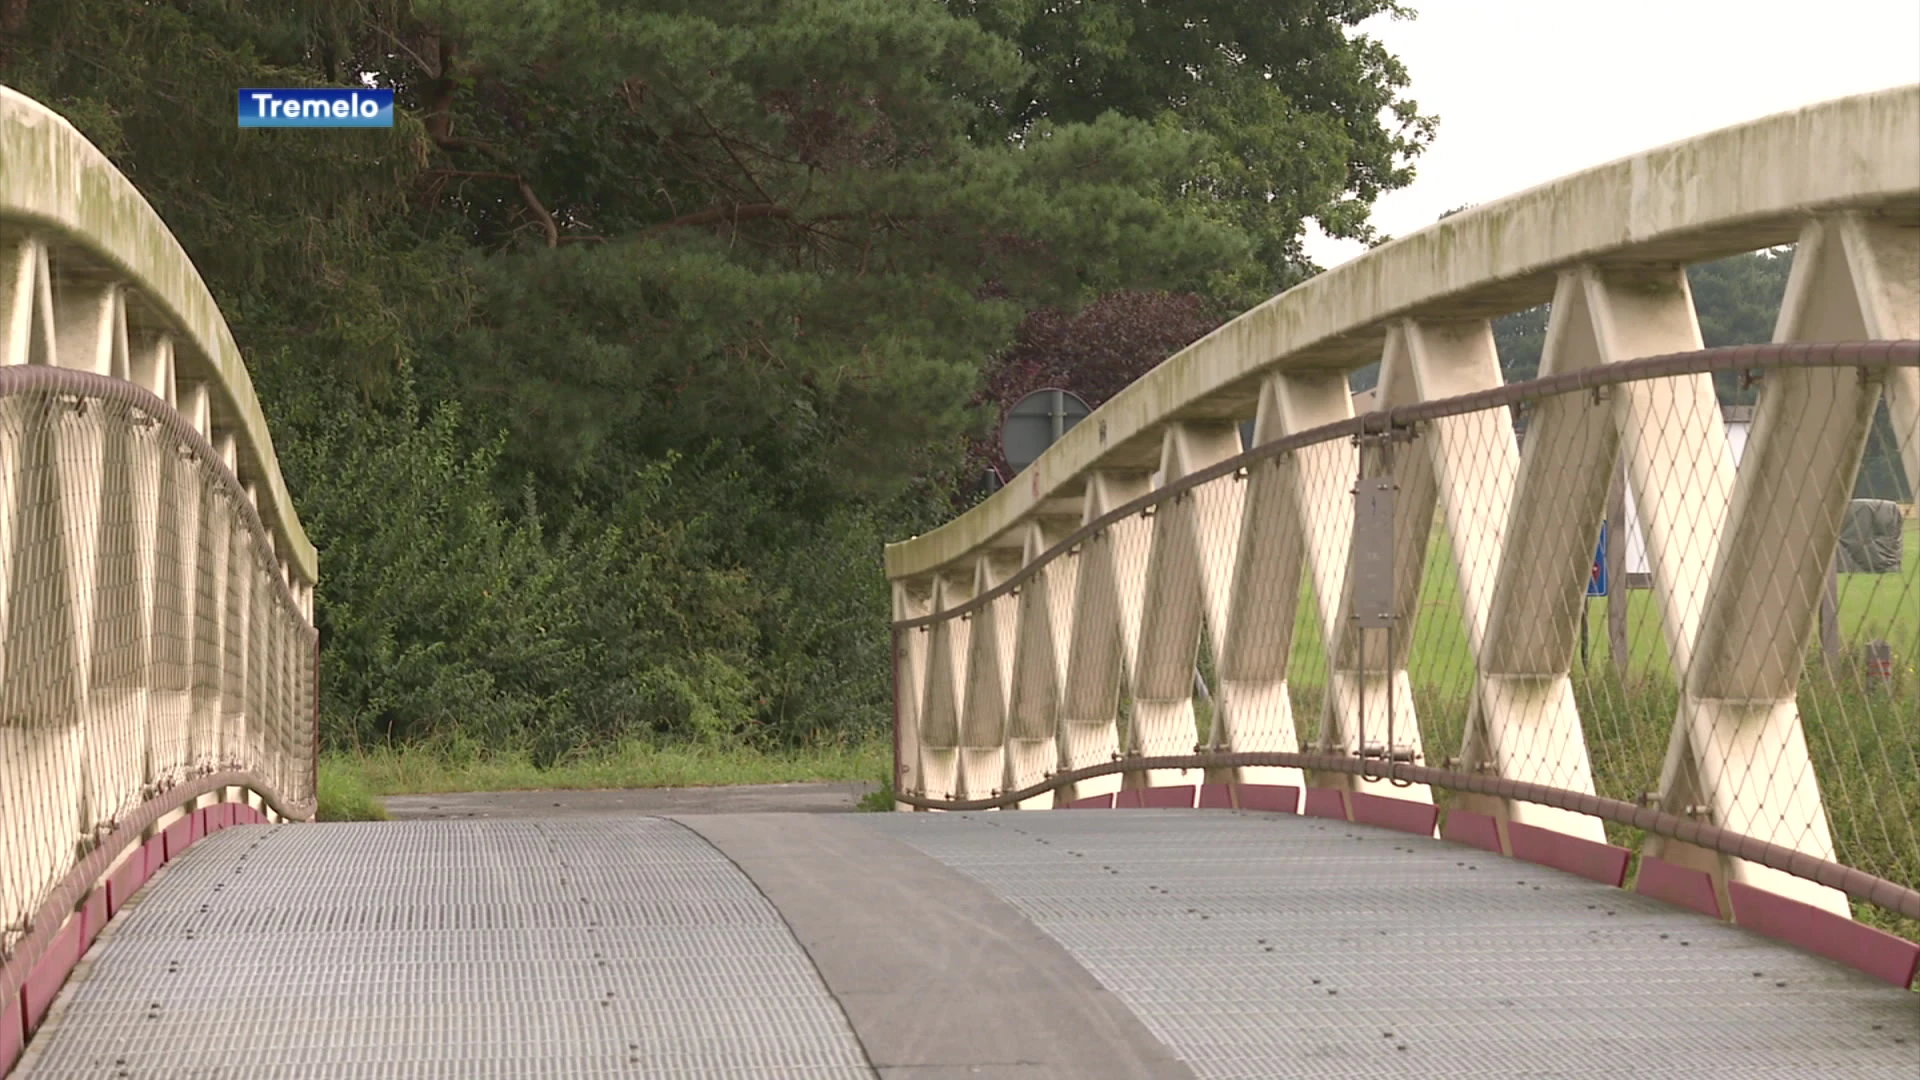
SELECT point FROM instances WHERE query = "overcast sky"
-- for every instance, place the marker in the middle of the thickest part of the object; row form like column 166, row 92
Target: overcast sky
column 1528, row 90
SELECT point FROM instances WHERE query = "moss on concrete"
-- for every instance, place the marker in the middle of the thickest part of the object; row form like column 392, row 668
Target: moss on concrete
column 58, row 185
column 1719, row 194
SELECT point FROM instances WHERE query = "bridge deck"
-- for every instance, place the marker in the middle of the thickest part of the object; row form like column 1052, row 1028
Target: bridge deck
column 1014, row 946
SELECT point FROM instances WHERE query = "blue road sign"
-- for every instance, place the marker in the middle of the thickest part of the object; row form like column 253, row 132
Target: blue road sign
column 1597, row 581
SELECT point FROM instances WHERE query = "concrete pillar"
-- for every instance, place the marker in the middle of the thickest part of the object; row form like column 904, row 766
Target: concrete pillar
column 281, row 690
column 1317, row 481
column 176, row 553
column 1105, row 630
column 943, row 695
column 1041, row 645
column 42, row 670
column 118, row 747
column 262, row 611
column 210, row 609
column 1738, row 752
column 1187, row 576
column 243, row 572
column 1253, row 711
column 90, row 334
column 151, row 361
column 90, row 328
column 1522, row 722
column 1387, row 719
column 989, row 671
column 1363, row 680
column 26, row 303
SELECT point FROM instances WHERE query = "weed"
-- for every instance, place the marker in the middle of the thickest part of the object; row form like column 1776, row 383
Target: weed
column 345, row 796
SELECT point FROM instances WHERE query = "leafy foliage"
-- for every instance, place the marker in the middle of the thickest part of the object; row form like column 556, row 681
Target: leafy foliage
column 1094, row 352
column 602, row 377
column 1308, row 117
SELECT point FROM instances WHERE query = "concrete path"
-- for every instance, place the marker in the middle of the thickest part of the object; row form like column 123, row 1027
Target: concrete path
column 940, row 978
column 1014, row 946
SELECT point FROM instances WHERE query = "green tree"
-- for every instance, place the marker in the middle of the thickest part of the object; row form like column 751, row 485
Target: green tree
column 601, row 377
column 1308, row 116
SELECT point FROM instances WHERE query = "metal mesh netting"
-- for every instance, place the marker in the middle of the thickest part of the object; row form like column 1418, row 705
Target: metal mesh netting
column 1430, row 587
column 147, row 635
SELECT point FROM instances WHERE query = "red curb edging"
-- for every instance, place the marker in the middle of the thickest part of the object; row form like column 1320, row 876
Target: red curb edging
column 50, row 974
column 1678, row 885
column 1858, row 884
column 1473, row 829
column 1402, row 814
column 126, row 880
column 1875, row 952
column 26, row 1007
column 1603, row 863
column 13, row 1033
column 178, row 837
column 1326, row 803
column 1275, row 798
column 93, row 918
column 156, row 850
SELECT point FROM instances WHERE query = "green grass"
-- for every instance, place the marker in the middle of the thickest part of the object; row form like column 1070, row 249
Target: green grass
column 879, row 800
column 423, row 770
column 345, row 796
column 1863, row 736
column 1870, row 606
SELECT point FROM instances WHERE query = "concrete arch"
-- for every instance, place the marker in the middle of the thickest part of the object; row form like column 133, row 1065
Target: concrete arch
column 58, row 187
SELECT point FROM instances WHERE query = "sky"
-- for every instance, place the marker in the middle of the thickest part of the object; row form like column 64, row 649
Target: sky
column 1530, row 90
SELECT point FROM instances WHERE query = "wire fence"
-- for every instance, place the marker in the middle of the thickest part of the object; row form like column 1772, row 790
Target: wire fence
column 1596, row 603
column 150, row 644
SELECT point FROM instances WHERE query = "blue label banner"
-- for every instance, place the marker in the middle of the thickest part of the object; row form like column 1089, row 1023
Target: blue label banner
column 363, row 108
column 1597, row 580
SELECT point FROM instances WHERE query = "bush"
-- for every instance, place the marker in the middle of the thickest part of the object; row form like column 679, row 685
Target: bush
column 445, row 612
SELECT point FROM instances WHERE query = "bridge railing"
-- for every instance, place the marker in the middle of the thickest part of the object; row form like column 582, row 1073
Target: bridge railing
column 157, row 647
column 1378, row 605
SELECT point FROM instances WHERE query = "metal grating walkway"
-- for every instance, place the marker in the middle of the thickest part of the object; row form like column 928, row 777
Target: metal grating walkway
column 1247, row 946
column 569, row 948
column 1263, row 946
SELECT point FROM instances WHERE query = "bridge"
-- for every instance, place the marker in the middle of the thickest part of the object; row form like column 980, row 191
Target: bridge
column 1348, row 787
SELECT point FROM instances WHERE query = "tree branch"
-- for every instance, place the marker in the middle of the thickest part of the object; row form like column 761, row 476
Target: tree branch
column 478, row 146
column 437, row 95
column 733, row 212
column 425, row 68
column 469, row 174
column 546, row 219
column 527, row 196
column 725, row 145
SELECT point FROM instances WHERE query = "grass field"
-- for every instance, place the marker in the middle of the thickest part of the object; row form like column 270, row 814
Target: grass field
column 351, row 783
column 1870, row 606
column 1862, row 734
